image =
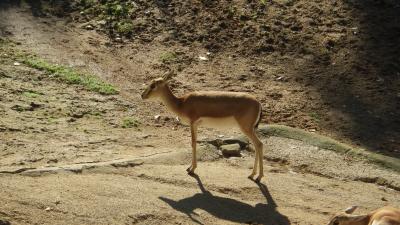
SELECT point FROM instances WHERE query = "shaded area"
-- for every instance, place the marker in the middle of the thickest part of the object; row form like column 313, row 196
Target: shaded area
column 40, row 8
column 359, row 80
column 4, row 222
column 36, row 7
column 230, row 209
column 377, row 111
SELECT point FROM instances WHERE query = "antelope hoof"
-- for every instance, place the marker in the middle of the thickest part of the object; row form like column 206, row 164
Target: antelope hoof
column 258, row 179
column 251, row 176
column 190, row 170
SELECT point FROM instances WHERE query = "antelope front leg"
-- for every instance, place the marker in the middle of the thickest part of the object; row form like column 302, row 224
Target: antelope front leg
column 193, row 130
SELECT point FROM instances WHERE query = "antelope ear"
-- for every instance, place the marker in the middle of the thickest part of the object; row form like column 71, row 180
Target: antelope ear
column 351, row 209
column 168, row 75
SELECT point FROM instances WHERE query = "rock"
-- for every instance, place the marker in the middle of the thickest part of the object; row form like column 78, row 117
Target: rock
column 242, row 77
column 203, row 58
column 207, row 152
column 34, row 106
column 241, row 140
column 102, row 22
column 89, row 27
column 77, row 115
column 52, row 161
column 231, row 150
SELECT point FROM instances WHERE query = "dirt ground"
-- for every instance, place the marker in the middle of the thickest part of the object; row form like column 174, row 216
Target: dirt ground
column 320, row 66
column 137, row 175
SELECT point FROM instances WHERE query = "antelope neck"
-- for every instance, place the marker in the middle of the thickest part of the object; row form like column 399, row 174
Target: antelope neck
column 170, row 100
column 360, row 220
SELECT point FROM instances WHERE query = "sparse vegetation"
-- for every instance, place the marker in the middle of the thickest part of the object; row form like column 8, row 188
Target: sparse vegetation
column 124, row 27
column 129, row 122
column 71, row 76
column 168, row 57
column 117, row 15
column 315, row 116
column 31, row 94
column 66, row 74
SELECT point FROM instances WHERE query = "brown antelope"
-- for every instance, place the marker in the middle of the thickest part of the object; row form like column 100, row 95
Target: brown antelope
column 212, row 109
column 383, row 216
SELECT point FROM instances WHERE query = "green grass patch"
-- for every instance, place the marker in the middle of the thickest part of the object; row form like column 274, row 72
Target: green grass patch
column 31, row 94
column 168, row 57
column 71, row 76
column 124, row 28
column 315, row 116
column 129, row 122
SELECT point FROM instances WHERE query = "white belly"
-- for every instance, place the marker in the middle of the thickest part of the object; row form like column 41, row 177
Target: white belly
column 221, row 123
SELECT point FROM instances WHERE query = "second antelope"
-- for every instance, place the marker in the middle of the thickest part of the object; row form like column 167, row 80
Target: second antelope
column 213, row 109
column 384, row 216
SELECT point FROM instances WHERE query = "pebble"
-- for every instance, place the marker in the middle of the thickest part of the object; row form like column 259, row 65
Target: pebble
column 231, row 150
column 203, row 58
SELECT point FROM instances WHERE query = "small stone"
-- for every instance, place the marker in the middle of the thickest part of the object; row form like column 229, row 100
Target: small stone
column 89, row 27
column 241, row 140
column 17, row 63
column 231, row 150
column 47, row 209
column 203, row 58
column 101, row 22
column 72, row 119
column 52, row 161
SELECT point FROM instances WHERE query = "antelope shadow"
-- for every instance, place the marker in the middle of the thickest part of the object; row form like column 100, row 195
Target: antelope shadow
column 228, row 208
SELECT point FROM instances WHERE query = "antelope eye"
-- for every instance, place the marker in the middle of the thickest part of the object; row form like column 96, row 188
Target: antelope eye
column 152, row 86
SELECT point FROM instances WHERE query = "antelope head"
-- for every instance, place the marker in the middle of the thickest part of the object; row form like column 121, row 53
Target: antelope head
column 345, row 217
column 156, row 87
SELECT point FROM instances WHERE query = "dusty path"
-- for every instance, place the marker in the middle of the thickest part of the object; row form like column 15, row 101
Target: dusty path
column 303, row 184
column 157, row 193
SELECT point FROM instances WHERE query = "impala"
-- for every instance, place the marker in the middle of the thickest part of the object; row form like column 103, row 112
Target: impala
column 382, row 216
column 212, row 109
